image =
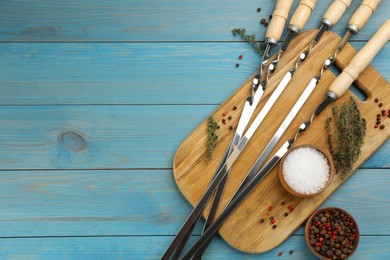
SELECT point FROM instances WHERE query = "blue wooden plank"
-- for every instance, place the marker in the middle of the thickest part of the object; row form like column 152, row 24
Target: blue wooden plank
column 152, row 247
column 90, row 137
column 143, row 202
column 158, row 20
column 137, row 73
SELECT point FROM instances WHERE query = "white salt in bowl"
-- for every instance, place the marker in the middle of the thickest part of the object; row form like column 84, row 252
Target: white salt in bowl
column 306, row 170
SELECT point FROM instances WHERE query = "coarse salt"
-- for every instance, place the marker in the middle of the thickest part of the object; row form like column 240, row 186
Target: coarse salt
column 306, row 170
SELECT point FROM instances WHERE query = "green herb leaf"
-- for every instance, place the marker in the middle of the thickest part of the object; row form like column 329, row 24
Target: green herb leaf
column 251, row 38
column 348, row 137
column 212, row 137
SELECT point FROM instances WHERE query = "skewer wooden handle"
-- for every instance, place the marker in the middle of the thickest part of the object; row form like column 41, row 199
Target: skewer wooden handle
column 336, row 10
column 302, row 13
column 279, row 17
column 363, row 13
column 361, row 60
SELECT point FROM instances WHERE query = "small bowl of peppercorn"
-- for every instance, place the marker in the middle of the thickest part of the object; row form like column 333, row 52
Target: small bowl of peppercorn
column 332, row 233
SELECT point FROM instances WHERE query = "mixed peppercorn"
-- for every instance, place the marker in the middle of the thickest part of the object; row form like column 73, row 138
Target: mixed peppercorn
column 333, row 234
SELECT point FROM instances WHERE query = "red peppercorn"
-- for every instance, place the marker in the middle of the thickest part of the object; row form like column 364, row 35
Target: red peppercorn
column 280, row 253
column 376, row 126
column 273, row 221
column 240, row 57
column 269, row 208
column 290, row 208
column 224, row 113
column 224, row 122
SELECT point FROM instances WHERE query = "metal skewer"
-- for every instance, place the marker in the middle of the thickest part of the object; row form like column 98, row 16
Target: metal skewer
column 338, row 87
column 357, row 21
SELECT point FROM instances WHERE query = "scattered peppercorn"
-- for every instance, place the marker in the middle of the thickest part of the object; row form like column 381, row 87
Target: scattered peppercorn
column 376, row 126
column 291, row 252
column 273, row 221
column 259, row 10
column 234, row 108
column 231, row 127
column 223, row 120
column 262, row 220
column 271, row 218
column 290, row 208
column 218, row 127
column 230, row 117
column 388, row 115
column 280, row 253
column 263, row 21
column 285, row 214
column 380, row 104
column 240, row 57
column 237, row 65
column 269, row 208
column 274, row 226
column 382, row 127
column 270, row 17
column 266, row 24
column 376, row 100
column 282, row 203
column 378, row 122
column 224, row 114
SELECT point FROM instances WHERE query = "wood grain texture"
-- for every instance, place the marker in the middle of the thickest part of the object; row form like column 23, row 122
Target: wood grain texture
column 152, row 247
column 242, row 229
column 104, row 137
column 129, row 73
column 70, row 75
column 153, row 20
column 143, row 203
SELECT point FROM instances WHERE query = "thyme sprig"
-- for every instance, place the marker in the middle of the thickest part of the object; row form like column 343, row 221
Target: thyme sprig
column 348, row 136
column 251, row 38
column 212, row 137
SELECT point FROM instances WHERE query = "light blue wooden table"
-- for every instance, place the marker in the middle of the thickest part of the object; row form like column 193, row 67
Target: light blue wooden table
column 95, row 98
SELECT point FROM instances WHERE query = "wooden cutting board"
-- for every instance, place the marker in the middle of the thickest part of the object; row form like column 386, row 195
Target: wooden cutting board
column 193, row 172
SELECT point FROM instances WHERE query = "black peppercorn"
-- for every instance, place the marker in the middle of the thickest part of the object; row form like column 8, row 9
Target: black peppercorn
column 231, row 127
column 237, row 65
column 282, row 203
column 259, row 10
column 382, row 127
column 230, row 117
column 380, row 104
column 270, row 17
column 262, row 220
column 274, row 226
column 285, row 214
column 291, row 252
column 234, row 108
column 263, row 21
column 376, row 100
